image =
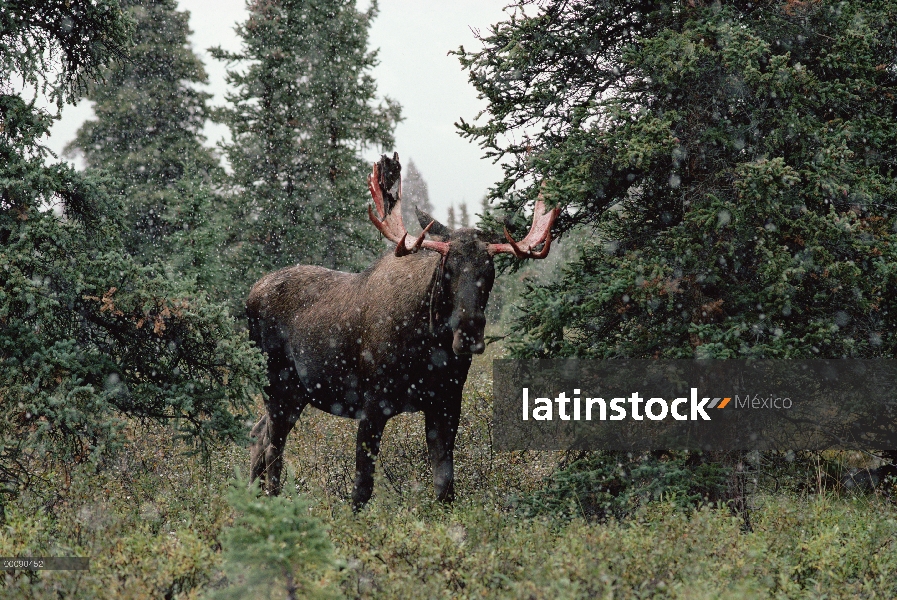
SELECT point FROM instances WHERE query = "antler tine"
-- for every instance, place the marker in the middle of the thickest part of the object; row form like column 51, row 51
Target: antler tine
column 420, row 238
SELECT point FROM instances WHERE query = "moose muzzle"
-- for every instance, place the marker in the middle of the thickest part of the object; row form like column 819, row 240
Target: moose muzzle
column 468, row 335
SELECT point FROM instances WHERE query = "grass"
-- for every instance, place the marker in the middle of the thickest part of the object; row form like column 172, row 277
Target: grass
column 799, row 549
column 151, row 521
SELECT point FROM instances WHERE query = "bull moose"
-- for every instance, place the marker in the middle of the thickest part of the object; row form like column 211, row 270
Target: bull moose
column 397, row 337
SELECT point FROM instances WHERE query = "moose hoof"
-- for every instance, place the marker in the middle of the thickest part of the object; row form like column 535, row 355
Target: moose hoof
column 360, row 499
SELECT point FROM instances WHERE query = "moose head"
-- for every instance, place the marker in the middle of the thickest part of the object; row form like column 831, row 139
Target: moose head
column 467, row 271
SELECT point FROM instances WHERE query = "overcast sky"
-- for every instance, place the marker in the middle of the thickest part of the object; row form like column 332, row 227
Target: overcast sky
column 414, row 38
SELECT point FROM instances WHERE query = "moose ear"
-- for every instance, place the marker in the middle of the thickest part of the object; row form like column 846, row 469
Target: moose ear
column 438, row 229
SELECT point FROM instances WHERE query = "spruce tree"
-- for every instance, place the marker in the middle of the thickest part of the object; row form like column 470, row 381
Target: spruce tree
column 275, row 548
column 484, row 206
column 303, row 110
column 147, row 137
column 734, row 162
column 88, row 336
column 415, row 193
column 463, row 216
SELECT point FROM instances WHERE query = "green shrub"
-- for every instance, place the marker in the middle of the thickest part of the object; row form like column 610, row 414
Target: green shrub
column 606, row 484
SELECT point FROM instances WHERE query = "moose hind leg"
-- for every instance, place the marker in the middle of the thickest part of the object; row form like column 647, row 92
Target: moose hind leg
column 367, row 447
column 284, row 403
column 259, row 435
column 441, row 425
column 279, row 427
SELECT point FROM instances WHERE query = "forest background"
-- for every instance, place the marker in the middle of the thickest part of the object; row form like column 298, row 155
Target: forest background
column 728, row 183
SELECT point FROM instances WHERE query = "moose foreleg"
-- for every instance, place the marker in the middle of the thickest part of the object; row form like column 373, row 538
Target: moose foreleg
column 442, row 426
column 367, row 447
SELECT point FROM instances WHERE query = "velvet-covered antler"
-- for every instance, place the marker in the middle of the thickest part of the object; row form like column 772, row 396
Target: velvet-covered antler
column 539, row 233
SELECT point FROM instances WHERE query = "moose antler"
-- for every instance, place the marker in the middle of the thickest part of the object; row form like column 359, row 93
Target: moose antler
column 389, row 220
column 539, row 233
